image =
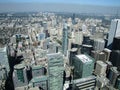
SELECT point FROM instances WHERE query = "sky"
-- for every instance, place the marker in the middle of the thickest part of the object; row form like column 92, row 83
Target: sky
column 83, row 6
column 85, row 2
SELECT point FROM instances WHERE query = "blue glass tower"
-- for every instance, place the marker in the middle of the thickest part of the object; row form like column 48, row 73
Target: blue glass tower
column 65, row 39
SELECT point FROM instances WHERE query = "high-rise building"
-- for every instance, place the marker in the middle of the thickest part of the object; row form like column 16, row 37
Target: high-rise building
column 65, row 39
column 83, row 66
column 41, row 36
column 87, row 83
column 116, row 43
column 114, row 31
column 4, row 58
column 3, row 73
column 118, row 83
column 20, row 75
column 55, row 71
column 41, row 82
column 99, row 44
column 115, row 58
column 78, row 37
column 100, row 68
column 38, row 70
column 113, row 75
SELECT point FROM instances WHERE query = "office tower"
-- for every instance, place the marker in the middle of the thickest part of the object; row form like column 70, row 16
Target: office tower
column 55, row 71
column 87, row 83
column 73, row 52
column 113, row 74
column 41, row 36
column 116, row 43
column 115, row 58
column 46, row 33
column 100, row 68
column 84, row 29
column 99, row 44
column 70, row 44
column 13, row 39
column 86, row 40
column 118, row 83
column 102, row 82
column 83, row 66
column 93, row 29
column 45, row 44
column 44, row 24
column 98, row 55
column 20, row 75
column 86, row 49
column 78, row 37
column 65, row 39
column 107, row 52
column 38, row 70
column 73, row 19
column 4, row 58
column 41, row 82
column 53, row 48
column 113, row 32
column 3, row 73
column 109, row 65
column 18, row 37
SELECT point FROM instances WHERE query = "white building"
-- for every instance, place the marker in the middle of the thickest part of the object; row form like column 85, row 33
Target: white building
column 114, row 30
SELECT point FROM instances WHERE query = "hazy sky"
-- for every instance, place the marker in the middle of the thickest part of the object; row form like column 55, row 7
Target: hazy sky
column 83, row 6
column 90, row 2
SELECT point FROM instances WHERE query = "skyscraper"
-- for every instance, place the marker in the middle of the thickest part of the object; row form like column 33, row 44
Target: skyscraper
column 83, row 66
column 114, row 31
column 55, row 71
column 65, row 39
column 20, row 75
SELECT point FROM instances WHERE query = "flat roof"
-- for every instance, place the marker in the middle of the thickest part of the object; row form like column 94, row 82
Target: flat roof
column 39, row 79
column 84, row 58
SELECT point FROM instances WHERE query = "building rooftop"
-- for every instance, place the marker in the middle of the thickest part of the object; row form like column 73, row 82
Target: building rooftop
column 37, row 67
column 84, row 58
column 19, row 66
column 39, row 79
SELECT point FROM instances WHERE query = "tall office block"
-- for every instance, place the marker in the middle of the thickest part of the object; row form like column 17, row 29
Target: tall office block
column 107, row 53
column 102, row 82
column 114, row 31
column 3, row 73
column 78, row 37
column 118, row 83
column 41, row 36
column 86, row 40
column 53, row 48
column 55, row 71
column 20, row 75
column 4, row 58
column 100, row 68
column 70, row 43
column 73, row 52
column 86, row 49
column 115, row 58
column 99, row 44
column 41, row 82
column 87, row 83
column 83, row 66
column 99, row 55
column 38, row 70
column 65, row 39
column 116, row 43
column 113, row 74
